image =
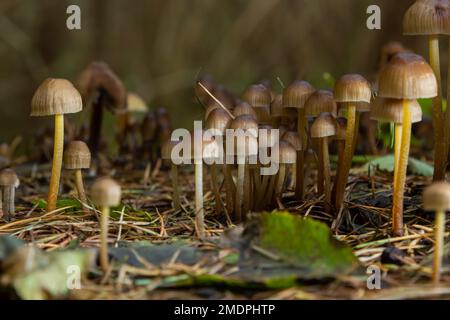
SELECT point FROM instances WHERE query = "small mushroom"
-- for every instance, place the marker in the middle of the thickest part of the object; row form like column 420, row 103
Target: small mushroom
column 8, row 183
column 436, row 197
column 294, row 139
column 166, row 153
column 77, row 157
column 56, row 97
column 286, row 158
column 105, row 193
column 259, row 97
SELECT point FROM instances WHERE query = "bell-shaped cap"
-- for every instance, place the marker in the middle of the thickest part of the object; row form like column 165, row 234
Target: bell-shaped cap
column 257, row 95
column 208, row 82
column 352, row 88
column 391, row 110
column 8, row 178
column 324, row 125
column 56, row 96
column 105, row 192
column 276, row 107
column 218, row 119
column 436, row 197
column 245, row 122
column 222, row 94
column 427, row 17
column 296, row 94
column 293, row 138
column 212, row 150
column 77, row 156
column 286, row 153
column 407, row 76
column 243, row 108
column 320, row 101
column 267, row 137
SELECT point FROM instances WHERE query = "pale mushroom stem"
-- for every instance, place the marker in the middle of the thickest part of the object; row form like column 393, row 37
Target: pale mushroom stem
column 438, row 246
column 57, row 163
column 199, row 210
column 400, row 179
column 440, row 147
column 80, row 188
column 341, row 181
column 246, row 198
column 240, row 191
column 215, row 186
column 175, row 186
column 326, row 169
column 320, row 171
column 229, row 189
column 104, row 261
column 8, row 201
column 301, row 129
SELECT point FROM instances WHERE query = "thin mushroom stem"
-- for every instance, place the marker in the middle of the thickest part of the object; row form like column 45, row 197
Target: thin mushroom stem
column 240, row 191
column 199, row 210
column 8, row 201
column 340, row 152
column 301, row 128
column 438, row 246
column 447, row 113
column 229, row 189
column 321, row 165
column 270, row 189
column 341, row 180
column 80, row 188
column 175, row 186
column 104, row 261
column 280, row 181
column 326, row 169
column 397, row 143
column 400, row 179
column 57, row 162
column 246, row 198
column 215, row 186
column 263, row 191
column 440, row 147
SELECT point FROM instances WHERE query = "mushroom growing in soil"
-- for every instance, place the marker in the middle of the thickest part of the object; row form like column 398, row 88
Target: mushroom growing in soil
column 105, row 193
column 353, row 92
column 259, row 97
column 406, row 77
column 77, row 157
column 294, row 99
column 56, row 97
column 8, row 184
column 436, row 197
column 432, row 18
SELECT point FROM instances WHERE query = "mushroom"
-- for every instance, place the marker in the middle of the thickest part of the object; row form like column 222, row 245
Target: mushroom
column 259, row 97
column 323, row 127
column 406, row 77
column 436, row 197
column 432, row 18
column 105, row 193
column 208, row 82
column 148, row 147
column 294, row 139
column 8, row 183
column 166, row 153
column 77, row 157
column 294, row 99
column 243, row 108
column 341, row 132
column 353, row 92
column 56, row 97
column 286, row 157
column 127, row 121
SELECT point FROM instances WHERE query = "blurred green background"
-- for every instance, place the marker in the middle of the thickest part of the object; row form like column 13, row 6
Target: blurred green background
column 159, row 47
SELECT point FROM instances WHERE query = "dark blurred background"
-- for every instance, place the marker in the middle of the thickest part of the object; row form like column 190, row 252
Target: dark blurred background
column 159, row 47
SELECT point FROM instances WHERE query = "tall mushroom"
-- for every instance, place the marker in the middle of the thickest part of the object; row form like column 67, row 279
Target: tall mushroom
column 406, row 77
column 105, row 193
column 436, row 197
column 353, row 92
column 77, row 157
column 8, row 184
column 56, row 97
column 432, row 18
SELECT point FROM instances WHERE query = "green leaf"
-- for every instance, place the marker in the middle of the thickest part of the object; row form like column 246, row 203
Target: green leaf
column 386, row 163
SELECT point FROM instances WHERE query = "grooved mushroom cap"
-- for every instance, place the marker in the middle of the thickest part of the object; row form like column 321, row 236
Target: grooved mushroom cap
column 324, row 125
column 105, row 192
column 8, row 178
column 223, row 95
column 286, row 152
column 427, row 17
column 208, row 82
column 391, row 110
column 320, row 101
column 77, row 156
column 276, row 107
column 257, row 95
column 99, row 77
column 55, row 96
column 293, row 138
column 388, row 51
column 436, row 197
column 296, row 94
column 263, row 115
column 135, row 103
column 148, row 127
column 245, row 122
column 267, row 137
column 218, row 119
column 341, row 129
column 407, row 76
column 352, row 88
column 243, row 108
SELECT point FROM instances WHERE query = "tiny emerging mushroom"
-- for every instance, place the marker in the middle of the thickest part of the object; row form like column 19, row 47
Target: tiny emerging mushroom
column 77, row 157
column 8, row 183
column 105, row 193
column 436, row 197
column 56, row 97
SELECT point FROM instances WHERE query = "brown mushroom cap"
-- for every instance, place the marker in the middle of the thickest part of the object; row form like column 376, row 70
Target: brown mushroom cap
column 223, row 95
column 135, row 103
column 436, row 197
column 55, row 96
column 265, row 137
column 407, row 76
column 243, row 108
column 8, row 178
column 77, row 156
column 276, row 107
column 286, row 153
column 388, row 51
column 352, row 88
column 218, row 119
column 244, row 122
column 296, row 94
column 99, row 77
column 427, row 17
column 320, row 101
column 391, row 110
column 324, row 125
column 258, row 96
column 293, row 138
column 105, row 192
column 208, row 82
column 212, row 151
